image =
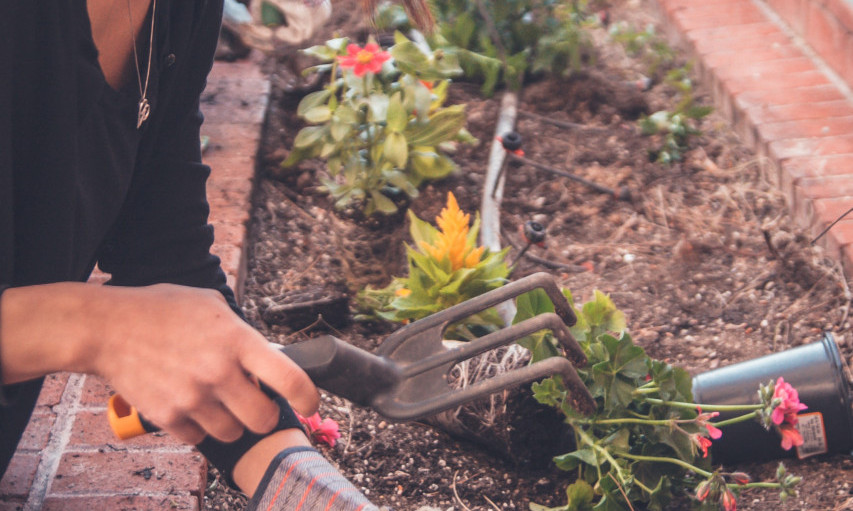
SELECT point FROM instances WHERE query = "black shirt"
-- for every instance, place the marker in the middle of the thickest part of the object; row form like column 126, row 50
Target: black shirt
column 79, row 184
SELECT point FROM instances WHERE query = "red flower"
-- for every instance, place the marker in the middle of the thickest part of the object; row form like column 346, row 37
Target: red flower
column 703, row 418
column 789, row 403
column 728, row 501
column 702, row 443
column 320, row 430
column 364, row 60
column 790, row 436
column 713, row 431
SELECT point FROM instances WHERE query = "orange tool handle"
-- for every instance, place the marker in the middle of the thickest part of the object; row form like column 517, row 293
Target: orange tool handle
column 125, row 421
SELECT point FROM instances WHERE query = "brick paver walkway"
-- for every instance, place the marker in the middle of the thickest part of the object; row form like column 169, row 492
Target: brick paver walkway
column 780, row 72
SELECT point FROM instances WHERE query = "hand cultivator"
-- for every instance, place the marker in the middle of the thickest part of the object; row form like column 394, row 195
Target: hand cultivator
column 407, row 377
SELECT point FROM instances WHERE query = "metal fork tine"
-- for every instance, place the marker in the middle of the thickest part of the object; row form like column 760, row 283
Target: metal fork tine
column 435, row 324
column 501, row 338
column 392, row 407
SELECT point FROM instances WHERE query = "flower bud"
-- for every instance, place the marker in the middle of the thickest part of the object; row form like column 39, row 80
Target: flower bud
column 781, row 472
column 728, row 501
column 792, row 481
column 702, row 490
column 740, row 477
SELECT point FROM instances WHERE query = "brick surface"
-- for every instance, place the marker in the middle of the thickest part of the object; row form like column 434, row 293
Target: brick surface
column 810, row 128
column 176, row 502
column 38, row 430
column 52, row 389
column 757, row 55
column 19, row 476
column 95, row 392
column 91, row 429
column 801, row 111
column 739, row 40
column 88, row 473
column 826, row 35
column 792, row 11
column 793, row 170
column 777, row 97
column 824, row 146
column 842, row 10
column 11, row 504
column 710, row 15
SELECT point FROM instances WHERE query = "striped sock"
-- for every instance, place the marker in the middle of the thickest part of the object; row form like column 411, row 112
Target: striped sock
column 301, row 479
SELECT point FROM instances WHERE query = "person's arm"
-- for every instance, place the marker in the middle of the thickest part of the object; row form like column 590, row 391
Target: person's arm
column 179, row 354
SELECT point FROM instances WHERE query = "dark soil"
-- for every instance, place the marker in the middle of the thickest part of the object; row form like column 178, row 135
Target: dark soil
column 705, row 261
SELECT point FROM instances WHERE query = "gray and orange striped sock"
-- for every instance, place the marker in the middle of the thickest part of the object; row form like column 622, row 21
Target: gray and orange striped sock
column 301, row 479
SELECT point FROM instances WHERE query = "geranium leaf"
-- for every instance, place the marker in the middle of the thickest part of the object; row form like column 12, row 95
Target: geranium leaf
column 580, row 496
column 572, row 460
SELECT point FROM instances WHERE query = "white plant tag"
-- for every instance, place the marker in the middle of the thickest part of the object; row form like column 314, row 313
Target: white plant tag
column 810, row 426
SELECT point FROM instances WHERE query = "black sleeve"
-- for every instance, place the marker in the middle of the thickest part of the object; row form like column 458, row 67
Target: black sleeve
column 163, row 235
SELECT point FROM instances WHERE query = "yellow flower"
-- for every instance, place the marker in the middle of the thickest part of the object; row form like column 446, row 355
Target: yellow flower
column 403, row 292
column 452, row 241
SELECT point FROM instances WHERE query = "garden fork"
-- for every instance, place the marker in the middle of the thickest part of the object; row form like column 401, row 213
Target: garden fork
column 407, row 378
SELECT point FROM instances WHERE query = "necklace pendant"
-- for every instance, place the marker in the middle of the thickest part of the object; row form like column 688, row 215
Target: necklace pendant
column 144, row 110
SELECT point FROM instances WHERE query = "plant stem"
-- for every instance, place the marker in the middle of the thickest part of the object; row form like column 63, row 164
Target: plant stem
column 647, row 422
column 766, row 484
column 735, row 420
column 650, row 390
column 604, row 452
column 643, row 486
column 661, row 459
column 709, row 408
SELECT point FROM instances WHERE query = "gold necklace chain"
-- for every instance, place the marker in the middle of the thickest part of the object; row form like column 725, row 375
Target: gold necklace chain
column 144, row 106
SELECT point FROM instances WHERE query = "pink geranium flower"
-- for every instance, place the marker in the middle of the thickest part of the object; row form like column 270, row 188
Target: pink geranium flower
column 703, row 418
column 364, row 60
column 324, row 431
column 790, row 436
column 789, row 403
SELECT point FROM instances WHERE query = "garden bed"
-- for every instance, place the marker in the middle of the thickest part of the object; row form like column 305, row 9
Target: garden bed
column 704, row 261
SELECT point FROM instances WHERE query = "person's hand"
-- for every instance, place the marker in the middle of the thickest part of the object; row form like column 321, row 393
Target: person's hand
column 184, row 359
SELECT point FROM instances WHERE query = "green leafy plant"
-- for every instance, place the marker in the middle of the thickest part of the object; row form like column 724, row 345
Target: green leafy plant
column 446, row 267
column 675, row 127
column 380, row 123
column 648, row 440
column 645, row 45
column 503, row 41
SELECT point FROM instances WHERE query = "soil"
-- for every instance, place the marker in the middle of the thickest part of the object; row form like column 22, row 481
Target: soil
column 704, row 260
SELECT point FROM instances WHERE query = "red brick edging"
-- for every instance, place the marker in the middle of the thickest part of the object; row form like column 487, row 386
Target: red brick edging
column 68, row 458
column 777, row 71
